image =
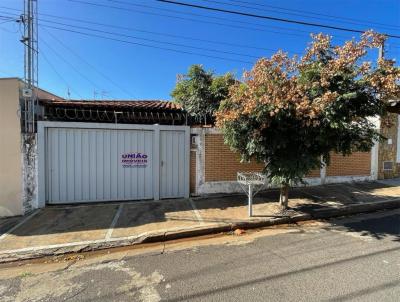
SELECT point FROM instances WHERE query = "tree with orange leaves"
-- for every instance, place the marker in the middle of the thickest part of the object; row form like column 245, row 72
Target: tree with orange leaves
column 290, row 113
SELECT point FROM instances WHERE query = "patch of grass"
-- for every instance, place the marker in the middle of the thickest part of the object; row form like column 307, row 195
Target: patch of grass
column 26, row 274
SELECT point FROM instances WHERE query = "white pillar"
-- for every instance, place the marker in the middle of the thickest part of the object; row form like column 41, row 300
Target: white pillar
column 323, row 171
column 375, row 152
column 250, row 200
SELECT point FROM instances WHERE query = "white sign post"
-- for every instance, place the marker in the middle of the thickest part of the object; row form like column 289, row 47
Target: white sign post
column 251, row 183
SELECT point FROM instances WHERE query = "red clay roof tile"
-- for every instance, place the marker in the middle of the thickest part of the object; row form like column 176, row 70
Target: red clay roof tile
column 131, row 104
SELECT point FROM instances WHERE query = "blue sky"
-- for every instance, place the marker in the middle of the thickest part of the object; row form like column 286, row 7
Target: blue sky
column 105, row 68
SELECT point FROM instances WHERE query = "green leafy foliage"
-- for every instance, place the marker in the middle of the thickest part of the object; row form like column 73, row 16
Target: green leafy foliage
column 200, row 92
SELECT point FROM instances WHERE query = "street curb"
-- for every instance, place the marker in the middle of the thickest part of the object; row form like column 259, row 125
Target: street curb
column 168, row 235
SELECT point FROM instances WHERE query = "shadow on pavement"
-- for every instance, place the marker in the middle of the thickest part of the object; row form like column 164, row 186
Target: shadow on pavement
column 373, row 226
column 87, row 222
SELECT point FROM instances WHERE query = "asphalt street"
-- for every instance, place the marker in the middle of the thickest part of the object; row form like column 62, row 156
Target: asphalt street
column 348, row 259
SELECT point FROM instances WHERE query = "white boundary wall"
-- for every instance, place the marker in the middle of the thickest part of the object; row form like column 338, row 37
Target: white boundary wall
column 202, row 187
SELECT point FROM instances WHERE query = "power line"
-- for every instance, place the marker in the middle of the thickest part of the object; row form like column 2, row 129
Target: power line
column 191, row 38
column 167, row 10
column 176, row 17
column 147, row 45
column 151, row 32
column 151, row 40
column 262, row 29
column 57, row 73
column 156, row 41
column 176, row 12
column 87, row 63
column 279, row 9
column 7, row 19
column 154, row 33
column 70, row 64
column 314, row 13
column 163, row 42
column 259, row 29
column 268, row 17
column 113, row 33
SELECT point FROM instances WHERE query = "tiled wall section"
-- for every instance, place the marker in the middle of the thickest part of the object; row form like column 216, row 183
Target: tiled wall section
column 221, row 164
column 314, row 173
column 357, row 164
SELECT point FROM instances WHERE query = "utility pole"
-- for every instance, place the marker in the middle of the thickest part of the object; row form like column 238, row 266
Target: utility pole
column 29, row 104
column 30, row 41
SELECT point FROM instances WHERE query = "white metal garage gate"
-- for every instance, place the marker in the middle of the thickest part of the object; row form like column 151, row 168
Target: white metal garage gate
column 85, row 162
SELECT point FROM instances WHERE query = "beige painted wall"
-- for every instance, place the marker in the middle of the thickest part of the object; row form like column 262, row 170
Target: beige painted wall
column 10, row 155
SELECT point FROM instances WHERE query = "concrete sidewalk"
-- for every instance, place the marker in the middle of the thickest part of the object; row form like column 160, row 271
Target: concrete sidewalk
column 64, row 229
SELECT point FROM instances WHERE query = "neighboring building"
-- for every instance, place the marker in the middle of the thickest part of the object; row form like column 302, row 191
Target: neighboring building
column 91, row 151
column 10, row 155
column 389, row 150
column 11, row 160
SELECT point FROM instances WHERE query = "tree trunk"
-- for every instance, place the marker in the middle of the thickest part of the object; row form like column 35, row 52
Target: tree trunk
column 284, row 197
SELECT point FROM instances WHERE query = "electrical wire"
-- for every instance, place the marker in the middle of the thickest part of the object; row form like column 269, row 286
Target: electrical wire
column 185, row 13
column 314, row 13
column 296, row 33
column 41, row 53
column 180, row 18
column 6, row 19
column 156, row 41
column 151, row 40
column 147, row 45
column 260, row 29
column 156, row 33
column 132, row 29
column 285, row 20
column 302, row 13
column 202, row 21
column 89, row 64
column 70, row 64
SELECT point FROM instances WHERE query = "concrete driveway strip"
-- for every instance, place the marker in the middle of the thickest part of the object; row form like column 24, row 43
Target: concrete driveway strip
column 54, row 225
column 14, row 224
column 138, row 218
column 114, row 222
